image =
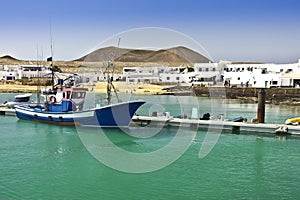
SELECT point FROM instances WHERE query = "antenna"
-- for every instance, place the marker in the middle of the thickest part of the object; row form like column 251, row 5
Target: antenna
column 38, row 77
column 52, row 67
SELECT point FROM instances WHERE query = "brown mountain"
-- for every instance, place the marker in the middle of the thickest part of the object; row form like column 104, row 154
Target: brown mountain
column 8, row 60
column 173, row 55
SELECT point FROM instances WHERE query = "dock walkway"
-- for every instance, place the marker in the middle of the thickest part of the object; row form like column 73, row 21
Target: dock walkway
column 236, row 127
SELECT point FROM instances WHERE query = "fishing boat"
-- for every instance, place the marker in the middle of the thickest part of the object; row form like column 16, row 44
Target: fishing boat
column 64, row 106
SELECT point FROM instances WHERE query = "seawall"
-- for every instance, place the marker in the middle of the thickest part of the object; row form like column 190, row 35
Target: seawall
column 273, row 95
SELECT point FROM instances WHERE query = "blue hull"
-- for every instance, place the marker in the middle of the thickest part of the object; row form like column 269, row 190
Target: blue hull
column 115, row 115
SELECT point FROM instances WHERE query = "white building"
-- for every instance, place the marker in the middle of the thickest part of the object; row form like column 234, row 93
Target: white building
column 159, row 74
column 262, row 75
column 33, row 71
column 13, row 72
column 209, row 73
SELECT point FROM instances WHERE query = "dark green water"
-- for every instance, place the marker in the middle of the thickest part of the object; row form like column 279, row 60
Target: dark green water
column 41, row 161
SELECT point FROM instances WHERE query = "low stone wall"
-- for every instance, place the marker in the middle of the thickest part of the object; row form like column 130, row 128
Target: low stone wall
column 273, row 95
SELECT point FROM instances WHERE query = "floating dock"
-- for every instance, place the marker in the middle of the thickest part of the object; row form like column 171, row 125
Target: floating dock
column 235, row 127
column 7, row 111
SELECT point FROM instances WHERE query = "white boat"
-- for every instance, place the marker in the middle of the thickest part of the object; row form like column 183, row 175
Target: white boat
column 19, row 100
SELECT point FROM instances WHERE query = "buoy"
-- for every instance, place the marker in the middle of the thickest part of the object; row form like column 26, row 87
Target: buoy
column 52, row 99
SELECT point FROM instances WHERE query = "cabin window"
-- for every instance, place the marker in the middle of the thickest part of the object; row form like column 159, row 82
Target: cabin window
column 68, row 94
column 177, row 78
column 207, row 69
column 168, row 78
column 129, row 70
column 238, row 78
column 76, row 95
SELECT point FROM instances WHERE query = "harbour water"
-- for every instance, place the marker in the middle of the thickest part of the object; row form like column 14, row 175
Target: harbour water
column 41, row 161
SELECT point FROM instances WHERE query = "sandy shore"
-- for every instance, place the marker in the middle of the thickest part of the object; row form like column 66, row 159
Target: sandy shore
column 14, row 88
column 100, row 87
column 131, row 88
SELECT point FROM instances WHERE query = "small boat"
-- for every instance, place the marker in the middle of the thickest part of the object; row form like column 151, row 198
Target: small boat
column 293, row 121
column 19, row 100
column 64, row 106
column 237, row 119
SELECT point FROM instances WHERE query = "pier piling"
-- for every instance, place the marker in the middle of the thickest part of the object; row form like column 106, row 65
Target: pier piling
column 261, row 106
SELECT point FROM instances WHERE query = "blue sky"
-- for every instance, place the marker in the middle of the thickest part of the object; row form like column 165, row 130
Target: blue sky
column 236, row 30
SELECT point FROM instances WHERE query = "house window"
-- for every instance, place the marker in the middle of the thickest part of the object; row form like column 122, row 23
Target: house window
column 200, row 69
column 207, row 69
column 213, row 69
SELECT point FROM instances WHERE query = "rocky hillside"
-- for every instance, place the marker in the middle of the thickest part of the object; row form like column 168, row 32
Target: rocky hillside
column 122, row 57
column 172, row 55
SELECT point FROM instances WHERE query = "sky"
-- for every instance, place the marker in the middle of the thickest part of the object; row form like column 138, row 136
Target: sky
column 233, row 30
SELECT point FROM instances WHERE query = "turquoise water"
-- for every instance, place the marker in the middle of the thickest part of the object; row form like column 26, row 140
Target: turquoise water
column 41, row 161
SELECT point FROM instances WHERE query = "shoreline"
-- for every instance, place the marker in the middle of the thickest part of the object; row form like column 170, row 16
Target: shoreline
column 282, row 96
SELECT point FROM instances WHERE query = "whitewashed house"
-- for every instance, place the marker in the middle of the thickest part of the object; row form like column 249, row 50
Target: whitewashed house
column 291, row 77
column 158, row 74
column 14, row 72
column 175, row 75
column 261, row 75
column 33, row 71
column 208, row 73
column 9, row 72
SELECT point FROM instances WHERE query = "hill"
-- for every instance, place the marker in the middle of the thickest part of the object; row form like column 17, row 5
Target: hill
column 122, row 57
column 8, row 60
column 173, row 55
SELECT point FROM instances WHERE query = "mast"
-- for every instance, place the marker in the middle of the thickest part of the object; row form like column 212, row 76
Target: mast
column 38, row 88
column 110, row 70
column 51, row 58
column 52, row 69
